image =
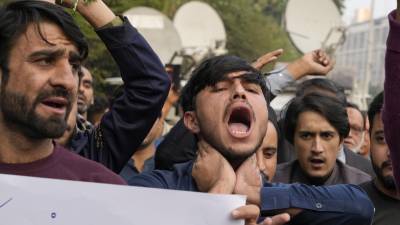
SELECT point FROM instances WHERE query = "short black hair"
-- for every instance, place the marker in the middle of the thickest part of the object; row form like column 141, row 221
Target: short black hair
column 329, row 107
column 321, row 85
column 213, row 70
column 354, row 106
column 374, row 108
column 15, row 18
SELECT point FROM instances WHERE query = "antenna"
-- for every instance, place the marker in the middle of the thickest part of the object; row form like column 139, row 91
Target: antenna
column 200, row 26
column 314, row 24
column 158, row 30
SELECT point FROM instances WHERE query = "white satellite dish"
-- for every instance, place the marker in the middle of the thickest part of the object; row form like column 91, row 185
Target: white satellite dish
column 157, row 29
column 200, row 26
column 313, row 24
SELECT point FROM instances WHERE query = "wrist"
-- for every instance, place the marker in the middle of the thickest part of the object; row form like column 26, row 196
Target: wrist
column 297, row 69
column 96, row 13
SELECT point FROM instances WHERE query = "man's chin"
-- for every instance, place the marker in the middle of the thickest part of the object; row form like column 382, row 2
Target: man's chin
column 237, row 156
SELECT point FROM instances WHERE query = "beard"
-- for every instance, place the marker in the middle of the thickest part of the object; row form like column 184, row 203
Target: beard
column 234, row 156
column 387, row 181
column 19, row 115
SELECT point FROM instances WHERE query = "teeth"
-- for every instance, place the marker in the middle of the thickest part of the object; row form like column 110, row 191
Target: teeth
column 238, row 132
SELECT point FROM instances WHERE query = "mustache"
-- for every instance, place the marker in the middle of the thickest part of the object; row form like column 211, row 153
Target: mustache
column 55, row 92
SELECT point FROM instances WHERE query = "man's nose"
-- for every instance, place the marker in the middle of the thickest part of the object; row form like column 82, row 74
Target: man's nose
column 239, row 91
column 65, row 76
column 317, row 146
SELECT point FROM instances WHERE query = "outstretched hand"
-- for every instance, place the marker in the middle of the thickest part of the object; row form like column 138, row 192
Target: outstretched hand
column 313, row 63
column 267, row 58
column 318, row 62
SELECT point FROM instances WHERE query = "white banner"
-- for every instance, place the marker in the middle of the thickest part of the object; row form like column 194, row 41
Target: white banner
column 40, row 201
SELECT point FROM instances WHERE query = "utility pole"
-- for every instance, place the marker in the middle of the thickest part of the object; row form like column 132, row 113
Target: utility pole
column 370, row 54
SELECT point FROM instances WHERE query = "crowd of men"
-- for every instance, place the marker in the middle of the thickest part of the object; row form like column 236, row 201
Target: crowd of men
column 324, row 161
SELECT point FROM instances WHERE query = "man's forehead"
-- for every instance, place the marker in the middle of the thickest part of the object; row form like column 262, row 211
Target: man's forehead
column 46, row 34
column 236, row 74
column 354, row 112
column 87, row 76
column 378, row 123
column 313, row 121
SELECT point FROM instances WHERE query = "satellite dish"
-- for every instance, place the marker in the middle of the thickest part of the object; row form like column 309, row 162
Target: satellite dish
column 313, row 24
column 200, row 26
column 157, row 29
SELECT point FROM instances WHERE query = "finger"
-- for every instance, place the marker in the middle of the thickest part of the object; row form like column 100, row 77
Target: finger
column 267, row 58
column 247, row 212
column 277, row 220
column 277, row 52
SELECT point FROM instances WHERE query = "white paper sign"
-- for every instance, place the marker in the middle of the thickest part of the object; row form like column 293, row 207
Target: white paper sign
column 40, row 201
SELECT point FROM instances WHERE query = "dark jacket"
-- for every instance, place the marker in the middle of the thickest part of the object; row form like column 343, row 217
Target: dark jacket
column 355, row 160
column 322, row 205
column 291, row 172
column 132, row 115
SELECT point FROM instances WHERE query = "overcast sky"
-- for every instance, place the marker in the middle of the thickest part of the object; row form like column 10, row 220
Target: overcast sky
column 382, row 8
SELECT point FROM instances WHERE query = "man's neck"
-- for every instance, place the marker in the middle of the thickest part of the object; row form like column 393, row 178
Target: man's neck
column 17, row 148
column 389, row 192
column 142, row 155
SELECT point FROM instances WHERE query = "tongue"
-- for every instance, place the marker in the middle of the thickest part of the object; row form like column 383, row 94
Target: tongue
column 238, row 127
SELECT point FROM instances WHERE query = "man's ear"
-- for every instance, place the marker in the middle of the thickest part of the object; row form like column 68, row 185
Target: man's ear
column 191, row 123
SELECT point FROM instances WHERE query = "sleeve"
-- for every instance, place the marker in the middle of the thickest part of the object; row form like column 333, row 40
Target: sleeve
column 132, row 114
column 278, row 81
column 391, row 107
column 153, row 179
column 336, row 204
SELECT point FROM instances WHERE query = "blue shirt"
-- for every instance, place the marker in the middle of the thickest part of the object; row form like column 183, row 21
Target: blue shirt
column 336, row 204
column 129, row 171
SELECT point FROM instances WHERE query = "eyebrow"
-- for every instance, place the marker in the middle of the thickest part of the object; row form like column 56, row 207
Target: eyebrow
column 48, row 53
column 73, row 55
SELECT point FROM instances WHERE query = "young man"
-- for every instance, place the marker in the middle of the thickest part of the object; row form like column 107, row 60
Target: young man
column 316, row 126
column 381, row 190
column 85, row 92
column 345, row 155
column 225, row 106
column 41, row 50
column 179, row 145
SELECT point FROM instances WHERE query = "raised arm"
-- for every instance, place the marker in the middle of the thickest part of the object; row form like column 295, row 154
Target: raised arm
column 146, row 86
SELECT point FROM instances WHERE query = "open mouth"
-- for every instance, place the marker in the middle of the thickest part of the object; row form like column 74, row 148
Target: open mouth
column 317, row 162
column 56, row 104
column 81, row 99
column 240, row 121
column 348, row 142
